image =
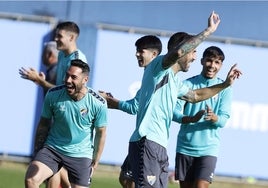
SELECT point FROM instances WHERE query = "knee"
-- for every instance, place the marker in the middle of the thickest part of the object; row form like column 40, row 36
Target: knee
column 122, row 180
column 32, row 182
column 33, row 178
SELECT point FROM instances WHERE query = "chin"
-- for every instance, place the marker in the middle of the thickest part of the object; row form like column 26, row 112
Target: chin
column 209, row 76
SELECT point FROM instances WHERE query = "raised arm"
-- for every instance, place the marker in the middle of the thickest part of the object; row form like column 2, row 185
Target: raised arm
column 189, row 45
column 38, row 78
column 198, row 95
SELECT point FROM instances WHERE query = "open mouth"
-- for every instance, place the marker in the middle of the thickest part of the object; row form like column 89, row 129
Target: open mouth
column 140, row 62
column 70, row 88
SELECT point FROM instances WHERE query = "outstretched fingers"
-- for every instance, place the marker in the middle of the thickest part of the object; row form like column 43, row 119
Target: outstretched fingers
column 214, row 21
column 23, row 73
column 233, row 74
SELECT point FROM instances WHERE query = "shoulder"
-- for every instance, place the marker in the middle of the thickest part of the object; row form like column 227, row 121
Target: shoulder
column 192, row 78
column 155, row 67
column 55, row 92
column 56, row 88
column 219, row 80
column 78, row 54
column 156, row 61
column 96, row 96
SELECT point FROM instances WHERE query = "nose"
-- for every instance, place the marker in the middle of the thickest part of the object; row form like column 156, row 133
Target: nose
column 195, row 56
column 68, row 79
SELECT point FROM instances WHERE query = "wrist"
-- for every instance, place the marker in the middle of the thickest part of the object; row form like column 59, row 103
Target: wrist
column 209, row 31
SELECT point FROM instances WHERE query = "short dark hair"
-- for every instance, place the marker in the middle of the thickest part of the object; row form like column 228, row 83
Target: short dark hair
column 149, row 42
column 69, row 26
column 214, row 51
column 177, row 39
column 81, row 64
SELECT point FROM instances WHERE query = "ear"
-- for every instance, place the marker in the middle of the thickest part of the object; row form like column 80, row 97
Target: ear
column 71, row 37
column 202, row 61
column 155, row 53
column 86, row 79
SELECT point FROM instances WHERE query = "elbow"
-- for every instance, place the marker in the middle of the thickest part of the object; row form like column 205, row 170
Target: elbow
column 194, row 99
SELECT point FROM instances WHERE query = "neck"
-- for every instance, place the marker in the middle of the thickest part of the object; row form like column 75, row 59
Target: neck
column 176, row 68
column 70, row 50
column 80, row 95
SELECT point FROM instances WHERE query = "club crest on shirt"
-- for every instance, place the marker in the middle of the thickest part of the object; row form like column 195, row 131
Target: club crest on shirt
column 62, row 108
column 151, row 179
column 83, row 111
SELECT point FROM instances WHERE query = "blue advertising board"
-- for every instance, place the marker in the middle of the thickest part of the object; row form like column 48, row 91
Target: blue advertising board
column 21, row 46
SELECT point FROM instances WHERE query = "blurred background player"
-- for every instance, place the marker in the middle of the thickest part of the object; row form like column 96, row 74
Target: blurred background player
column 66, row 38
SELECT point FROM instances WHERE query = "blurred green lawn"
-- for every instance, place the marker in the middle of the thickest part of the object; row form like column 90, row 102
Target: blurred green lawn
column 12, row 176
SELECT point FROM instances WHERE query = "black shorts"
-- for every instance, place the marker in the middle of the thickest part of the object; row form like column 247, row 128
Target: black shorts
column 126, row 171
column 79, row 169
column 189, row 168
column 149, row 164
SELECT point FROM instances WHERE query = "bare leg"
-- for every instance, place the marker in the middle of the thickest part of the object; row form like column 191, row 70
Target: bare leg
column 54, row 181
column 64, row 178
column 184, row 184
column 125, row 182
column 59, row 180
column 36, row 174
column 202, row 184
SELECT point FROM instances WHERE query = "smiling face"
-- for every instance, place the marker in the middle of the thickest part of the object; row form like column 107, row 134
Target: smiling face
column 64, row 39
column 75, row 81
column 185, row 61
column 145, row 56
column 211, row 66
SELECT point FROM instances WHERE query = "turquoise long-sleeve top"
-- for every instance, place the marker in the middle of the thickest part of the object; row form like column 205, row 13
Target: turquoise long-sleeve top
column 202, row 138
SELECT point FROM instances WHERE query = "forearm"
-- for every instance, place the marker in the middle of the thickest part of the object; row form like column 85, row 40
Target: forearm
column 193, row 119
column 187, row 119
column 41, row 135
column 197, row 95
column 185, row 47
column 194, row 42
column 45, row 84
column 205, row 93
column 99, row 142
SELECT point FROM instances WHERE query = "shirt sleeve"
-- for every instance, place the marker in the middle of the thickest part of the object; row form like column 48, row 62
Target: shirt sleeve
column 178, row 112
column 130, row 106
column 101, row 116
column 183, row 89
column 47, row 107
column 224, row 107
